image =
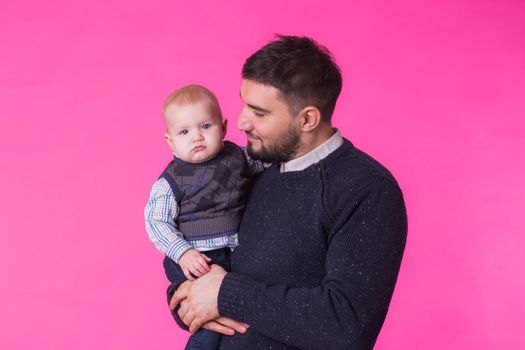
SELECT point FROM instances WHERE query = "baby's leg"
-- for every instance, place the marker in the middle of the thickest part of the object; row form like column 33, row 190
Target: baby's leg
column 173, row 271
column 204, row 340
column 176, row 277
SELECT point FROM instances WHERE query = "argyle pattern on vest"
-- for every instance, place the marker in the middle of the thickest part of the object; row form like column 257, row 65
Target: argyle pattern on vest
column 211, row 195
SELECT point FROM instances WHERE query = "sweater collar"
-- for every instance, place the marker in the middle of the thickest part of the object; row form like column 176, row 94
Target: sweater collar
column 315, row 155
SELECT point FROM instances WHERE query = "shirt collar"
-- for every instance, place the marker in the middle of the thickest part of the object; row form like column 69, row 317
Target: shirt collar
column 315, row 155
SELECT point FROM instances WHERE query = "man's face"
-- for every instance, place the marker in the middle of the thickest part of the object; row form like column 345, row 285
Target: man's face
column 273, row 134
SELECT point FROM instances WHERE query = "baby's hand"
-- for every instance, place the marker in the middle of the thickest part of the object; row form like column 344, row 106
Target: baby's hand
column 194, row 263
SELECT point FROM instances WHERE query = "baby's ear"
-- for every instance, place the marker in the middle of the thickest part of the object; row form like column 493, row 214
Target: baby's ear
column 224, row 125
column 167, row 138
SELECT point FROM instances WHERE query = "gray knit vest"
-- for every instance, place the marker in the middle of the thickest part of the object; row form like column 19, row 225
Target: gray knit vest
column 211, row 195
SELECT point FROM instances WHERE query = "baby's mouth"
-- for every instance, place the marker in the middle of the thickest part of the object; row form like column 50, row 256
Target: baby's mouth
column 198, row 148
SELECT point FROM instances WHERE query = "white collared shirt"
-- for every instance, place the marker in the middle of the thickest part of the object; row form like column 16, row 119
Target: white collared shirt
column 315, row 155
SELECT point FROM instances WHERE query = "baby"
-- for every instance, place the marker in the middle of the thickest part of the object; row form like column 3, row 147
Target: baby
column 195, row 206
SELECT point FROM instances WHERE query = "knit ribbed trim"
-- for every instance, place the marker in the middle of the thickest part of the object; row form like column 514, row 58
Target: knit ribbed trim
column 236, row 290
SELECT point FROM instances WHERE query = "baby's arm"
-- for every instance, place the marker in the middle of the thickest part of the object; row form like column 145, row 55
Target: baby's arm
column 160, row 215
column 254, row 166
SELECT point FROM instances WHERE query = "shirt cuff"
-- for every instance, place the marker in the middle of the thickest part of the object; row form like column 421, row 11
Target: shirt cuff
column 178, row 248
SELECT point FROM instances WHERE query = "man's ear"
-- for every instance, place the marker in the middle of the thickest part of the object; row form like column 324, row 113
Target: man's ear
column 310, row 118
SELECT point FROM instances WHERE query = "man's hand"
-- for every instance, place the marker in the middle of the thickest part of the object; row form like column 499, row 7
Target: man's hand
column 201, row 296
column 194, row 263
column 222, row 325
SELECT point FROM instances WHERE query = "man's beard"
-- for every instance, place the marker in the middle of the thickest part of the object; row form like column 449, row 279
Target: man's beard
column 279, row 149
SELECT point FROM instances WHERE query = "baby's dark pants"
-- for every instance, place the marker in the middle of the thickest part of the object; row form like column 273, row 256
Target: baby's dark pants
column 202, row 339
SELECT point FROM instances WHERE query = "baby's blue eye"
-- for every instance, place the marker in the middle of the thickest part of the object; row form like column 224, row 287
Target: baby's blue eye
column 206, row 126
column 183, row 132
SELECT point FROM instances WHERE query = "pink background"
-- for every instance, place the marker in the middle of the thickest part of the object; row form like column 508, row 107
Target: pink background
column 433, row 89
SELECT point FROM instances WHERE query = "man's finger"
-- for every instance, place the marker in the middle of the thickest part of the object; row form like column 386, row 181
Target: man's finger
column 180, row 293
column 183, row 310
column 208, row 259
column 230, row 323
column 219, row 328
column 188, row 318
column 195, row 325
column 216, row 267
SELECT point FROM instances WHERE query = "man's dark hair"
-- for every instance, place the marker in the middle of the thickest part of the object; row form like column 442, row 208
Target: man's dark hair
column 302, row 70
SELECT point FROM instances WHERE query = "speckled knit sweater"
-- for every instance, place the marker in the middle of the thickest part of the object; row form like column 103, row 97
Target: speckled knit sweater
column 318, row 257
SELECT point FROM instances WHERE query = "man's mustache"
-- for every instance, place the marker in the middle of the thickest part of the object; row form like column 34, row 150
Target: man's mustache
column 251, row 135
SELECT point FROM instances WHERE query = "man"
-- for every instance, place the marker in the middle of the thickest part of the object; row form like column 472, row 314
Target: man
column 323, row 234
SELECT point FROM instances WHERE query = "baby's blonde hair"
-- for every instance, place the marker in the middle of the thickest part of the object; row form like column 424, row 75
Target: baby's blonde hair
column 191, row 94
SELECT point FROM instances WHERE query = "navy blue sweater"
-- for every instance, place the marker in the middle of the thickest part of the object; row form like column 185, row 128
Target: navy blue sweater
column 319, row 254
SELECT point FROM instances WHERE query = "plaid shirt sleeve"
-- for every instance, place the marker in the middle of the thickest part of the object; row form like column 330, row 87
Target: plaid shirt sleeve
column 160, row 214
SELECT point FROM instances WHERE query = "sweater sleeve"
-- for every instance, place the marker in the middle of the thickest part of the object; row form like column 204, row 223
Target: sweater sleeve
column 366, row 244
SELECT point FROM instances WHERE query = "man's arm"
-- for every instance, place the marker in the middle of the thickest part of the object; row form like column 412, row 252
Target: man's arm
column 349, row 307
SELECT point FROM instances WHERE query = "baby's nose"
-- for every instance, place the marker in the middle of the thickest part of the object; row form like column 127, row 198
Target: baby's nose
column 198, row 137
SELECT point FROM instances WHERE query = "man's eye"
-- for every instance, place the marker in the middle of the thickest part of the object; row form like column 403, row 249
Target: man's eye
column 258, row 114
column 183, row 132
column 206, row 126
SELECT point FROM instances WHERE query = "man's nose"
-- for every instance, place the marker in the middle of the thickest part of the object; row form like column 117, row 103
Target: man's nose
column 243, row 122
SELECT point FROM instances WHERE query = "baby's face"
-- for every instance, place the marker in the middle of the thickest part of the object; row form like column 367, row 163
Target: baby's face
column 194, row 134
